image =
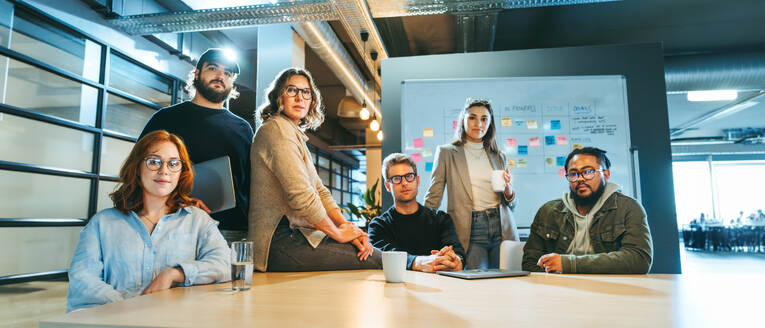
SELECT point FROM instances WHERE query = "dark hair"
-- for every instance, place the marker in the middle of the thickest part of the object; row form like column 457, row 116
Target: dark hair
column 600, row 154
column 273, row 101
column 488, row 139
column 129, row 194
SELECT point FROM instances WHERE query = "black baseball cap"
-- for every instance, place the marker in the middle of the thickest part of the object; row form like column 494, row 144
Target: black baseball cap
column 217, row 55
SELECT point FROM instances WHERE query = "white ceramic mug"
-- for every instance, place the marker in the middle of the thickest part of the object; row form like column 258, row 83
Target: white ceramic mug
column 498, row 180
column 394, row 266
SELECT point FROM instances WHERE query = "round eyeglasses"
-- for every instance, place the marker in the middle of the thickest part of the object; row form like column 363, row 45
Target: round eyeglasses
column 587, row 174
column 155, row 163
column 293, row 91
column 396, row 179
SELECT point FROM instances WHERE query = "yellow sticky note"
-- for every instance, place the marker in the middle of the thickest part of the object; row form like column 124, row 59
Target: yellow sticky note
column 427, row 152
column 550, row 161
column 521, row 162
column 511, row 163
column 531, row 124
column 507, row 121
column 577, row 146
column 427, row 132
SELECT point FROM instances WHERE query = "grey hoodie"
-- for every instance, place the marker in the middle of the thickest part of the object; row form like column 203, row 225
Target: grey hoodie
column 581, row 244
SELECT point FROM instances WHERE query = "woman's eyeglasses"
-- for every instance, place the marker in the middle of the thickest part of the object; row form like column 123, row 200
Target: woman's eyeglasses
column 293, row 91
column 155, row 163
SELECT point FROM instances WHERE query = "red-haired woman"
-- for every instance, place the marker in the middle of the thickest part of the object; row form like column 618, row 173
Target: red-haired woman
column 152, row 238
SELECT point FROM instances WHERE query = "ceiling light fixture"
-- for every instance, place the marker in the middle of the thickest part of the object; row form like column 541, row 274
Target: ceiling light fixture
column 364, row 113
column 379, row 135
column 712, row 95
column 374, row 125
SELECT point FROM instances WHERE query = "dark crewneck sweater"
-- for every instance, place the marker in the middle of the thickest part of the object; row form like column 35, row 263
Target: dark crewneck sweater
column 416, row 234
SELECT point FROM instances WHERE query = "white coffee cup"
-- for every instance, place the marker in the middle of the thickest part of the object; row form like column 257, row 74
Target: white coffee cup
column 394, row 266
column 498, row 180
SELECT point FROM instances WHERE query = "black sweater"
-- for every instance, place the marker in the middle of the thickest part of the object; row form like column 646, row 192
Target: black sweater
column 211, row 133
column 416, row 234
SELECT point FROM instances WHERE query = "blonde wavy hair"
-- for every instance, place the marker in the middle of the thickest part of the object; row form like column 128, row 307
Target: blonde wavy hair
column 273, row 100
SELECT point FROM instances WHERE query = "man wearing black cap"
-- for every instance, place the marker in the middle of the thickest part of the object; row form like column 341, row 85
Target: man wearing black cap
column 211, row 131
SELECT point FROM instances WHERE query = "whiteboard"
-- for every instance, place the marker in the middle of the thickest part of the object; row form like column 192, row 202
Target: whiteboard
column 539, row 120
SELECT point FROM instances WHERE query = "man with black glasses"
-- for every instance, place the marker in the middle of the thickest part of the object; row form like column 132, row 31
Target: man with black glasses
column 428, row 236
column 210, row 131
column 594, row 228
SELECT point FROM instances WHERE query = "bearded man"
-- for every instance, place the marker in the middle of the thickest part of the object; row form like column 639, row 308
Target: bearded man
column 594, row 228
column 210, row 131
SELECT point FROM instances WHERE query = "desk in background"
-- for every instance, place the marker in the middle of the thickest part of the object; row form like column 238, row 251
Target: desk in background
column 363, row 299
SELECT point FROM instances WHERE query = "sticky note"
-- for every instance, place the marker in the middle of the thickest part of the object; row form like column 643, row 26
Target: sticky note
column 577, row 146
column 549, row 140
column 561, row 172
column 511, row 163
column 531, row 124
column 549, row 161
column 416, row 157
column 418, row 143
column 507, row 121
column 520, row 123
column 427, row 152
column 561, row 140
column 511, row 142
column 523, row 150
column 454, row 125
column 429, row 166
column 521, row 162
column 427, row 133
column 534, row 141
column 555, row 125
column 560, row 160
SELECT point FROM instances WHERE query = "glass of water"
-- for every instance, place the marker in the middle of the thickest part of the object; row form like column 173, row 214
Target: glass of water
column 241, row 265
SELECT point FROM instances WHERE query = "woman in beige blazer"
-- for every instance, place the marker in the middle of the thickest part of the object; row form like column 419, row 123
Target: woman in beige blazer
column 483, row 218
column 291, row 212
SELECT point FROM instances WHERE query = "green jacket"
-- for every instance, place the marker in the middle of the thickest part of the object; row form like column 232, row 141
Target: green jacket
column 619, row 235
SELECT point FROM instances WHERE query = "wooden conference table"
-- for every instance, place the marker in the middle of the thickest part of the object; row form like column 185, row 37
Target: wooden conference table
column 363, row 299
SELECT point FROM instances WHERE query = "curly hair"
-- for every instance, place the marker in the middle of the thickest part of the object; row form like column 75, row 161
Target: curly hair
column 129, row 193
column 488, row 139
column 273, row 100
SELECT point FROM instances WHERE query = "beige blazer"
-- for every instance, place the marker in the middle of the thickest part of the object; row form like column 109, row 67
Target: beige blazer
column 451, row 170
column 284, row 182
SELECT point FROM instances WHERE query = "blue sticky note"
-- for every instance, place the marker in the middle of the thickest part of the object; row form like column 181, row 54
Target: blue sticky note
column 549, row 140
column 555, row 125
column 560, row 160
column 523, row 150
column 428, row 166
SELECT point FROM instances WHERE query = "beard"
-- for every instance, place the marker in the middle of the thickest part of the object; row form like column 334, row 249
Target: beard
column 209, row 93
column 588, row 201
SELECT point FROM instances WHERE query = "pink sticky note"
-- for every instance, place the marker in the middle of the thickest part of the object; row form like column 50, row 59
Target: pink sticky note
column 454, row 125
column 418, row 143
column 561, row 140
column 561, row 172
column 534, row 141
column 511, row 142
column 416, row 157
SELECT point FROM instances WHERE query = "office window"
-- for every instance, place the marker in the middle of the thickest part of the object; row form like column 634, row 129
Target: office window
column 33, row 142
column 138, row 81
column 47, row 43
column 693, row 191
column 29, row 195
column 113, row 154
column 739, row 187
column 104, row 189
column 337, row 196
column 37, row 90
column 323, row 162
column 324, row 176
column 125, row 116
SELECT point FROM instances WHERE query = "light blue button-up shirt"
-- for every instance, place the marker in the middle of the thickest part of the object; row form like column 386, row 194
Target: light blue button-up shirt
column 116, row 258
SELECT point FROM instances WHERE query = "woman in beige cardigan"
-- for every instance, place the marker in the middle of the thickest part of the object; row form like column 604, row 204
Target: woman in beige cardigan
column 291, row 212
column 483, row 218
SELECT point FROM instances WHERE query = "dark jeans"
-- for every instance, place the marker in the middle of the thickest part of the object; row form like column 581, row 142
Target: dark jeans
column 485, row 238
column 290, row 252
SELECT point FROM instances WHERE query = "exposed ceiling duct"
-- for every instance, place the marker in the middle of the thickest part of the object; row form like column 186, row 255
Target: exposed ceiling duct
column 397, row 8
column 324, row 42
column 740, row 71
column 356, row 18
